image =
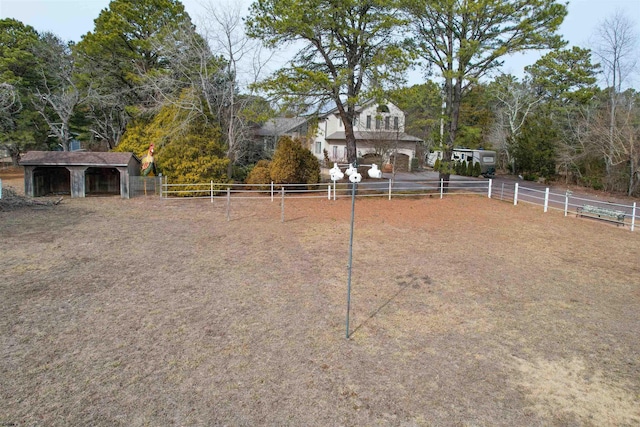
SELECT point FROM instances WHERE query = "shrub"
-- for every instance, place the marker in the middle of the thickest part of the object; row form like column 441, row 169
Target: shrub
column 477, row 169
column 436, row 165
column 260, row 173
column 294, row 164
column 194, row 154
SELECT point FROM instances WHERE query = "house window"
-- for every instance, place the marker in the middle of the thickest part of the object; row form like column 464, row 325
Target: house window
column 368, row 122
column 335, row 152
column 340, row 124
column 378, row 122
column 386, row 122
column 318, row 147
column 395, row 123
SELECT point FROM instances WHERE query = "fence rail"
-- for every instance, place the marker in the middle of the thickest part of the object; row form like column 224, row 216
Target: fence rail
column 515, row 193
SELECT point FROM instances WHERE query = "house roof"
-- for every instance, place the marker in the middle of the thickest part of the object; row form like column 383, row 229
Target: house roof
column 281, row 125
column 75, row 158
column 403, row 137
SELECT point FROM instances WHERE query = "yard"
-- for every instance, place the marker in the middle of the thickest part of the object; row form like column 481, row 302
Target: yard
column 465, row 311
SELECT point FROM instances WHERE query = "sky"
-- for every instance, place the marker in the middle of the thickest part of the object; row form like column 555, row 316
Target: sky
column 70, row 19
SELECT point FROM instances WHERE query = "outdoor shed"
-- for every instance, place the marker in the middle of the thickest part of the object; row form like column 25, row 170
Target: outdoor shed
column 79, row 174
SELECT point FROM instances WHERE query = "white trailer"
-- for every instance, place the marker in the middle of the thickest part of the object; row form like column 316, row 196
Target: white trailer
column 486, row 159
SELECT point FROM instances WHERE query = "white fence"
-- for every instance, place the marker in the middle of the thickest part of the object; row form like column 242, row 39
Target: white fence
column 566, row 202
column 378, row 188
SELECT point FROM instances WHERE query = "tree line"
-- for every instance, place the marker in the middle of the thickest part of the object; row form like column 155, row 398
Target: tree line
column 146, row 74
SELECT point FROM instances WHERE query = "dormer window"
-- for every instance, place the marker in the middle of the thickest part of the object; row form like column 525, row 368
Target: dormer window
column 382, row 109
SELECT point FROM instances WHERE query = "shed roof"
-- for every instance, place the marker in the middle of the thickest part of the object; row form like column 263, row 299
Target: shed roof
column 76, row 158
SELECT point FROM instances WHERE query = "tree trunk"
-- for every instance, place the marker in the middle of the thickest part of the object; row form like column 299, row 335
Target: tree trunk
column 632, row 176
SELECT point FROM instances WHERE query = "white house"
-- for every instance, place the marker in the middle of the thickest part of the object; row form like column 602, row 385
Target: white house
column 379, row 131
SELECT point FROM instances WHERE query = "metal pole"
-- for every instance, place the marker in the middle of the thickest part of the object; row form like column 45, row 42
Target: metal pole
column 515, row 195
column 282, row 206
column 490, row 184
column 546, row 199
column 633, row 216
column 353, row 210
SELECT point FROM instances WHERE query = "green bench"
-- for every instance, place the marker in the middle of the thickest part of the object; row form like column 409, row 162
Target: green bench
column 604, row 214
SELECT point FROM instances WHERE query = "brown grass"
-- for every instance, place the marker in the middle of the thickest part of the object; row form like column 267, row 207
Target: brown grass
column 466, row 311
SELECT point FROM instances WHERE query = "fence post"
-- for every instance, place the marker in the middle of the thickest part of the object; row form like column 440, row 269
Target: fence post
column 272, row 191
column 390, row 185
column 334, row 190
column 329, row 192
column 515, row 195
column 0, row 189
column 211, row 191
column 546, row 199
column 228, row 204
column 490, row 184
column 566, row 203
column 282, row 206
column 502, row 192
column 441, row 187
column 633, row 216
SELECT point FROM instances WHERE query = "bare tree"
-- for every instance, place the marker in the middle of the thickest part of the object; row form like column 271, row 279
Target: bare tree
column 203, row 77
column 10, row 106
column 515, row 100
column 223, row 27
column 57, row 95
column 615, row 44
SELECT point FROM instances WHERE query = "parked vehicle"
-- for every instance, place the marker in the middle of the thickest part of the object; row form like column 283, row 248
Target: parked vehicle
column 486, row 159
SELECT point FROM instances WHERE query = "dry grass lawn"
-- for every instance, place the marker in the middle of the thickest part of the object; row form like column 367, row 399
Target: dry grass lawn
column 465, row 312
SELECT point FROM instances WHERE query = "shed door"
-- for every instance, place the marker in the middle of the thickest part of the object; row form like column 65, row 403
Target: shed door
column 102, row 182
column 51, row 180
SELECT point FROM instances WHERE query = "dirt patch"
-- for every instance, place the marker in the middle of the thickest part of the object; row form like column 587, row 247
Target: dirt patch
column 465, row 311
